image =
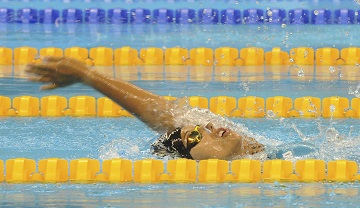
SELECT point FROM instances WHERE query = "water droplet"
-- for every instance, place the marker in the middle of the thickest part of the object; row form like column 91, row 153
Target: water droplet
column 332, row 108
column 316, row 12
column 301, row 73
column 332, row 69
column 270, row 114
column 283, row 25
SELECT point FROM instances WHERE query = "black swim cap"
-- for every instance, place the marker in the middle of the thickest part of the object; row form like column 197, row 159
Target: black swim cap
column 171, row 144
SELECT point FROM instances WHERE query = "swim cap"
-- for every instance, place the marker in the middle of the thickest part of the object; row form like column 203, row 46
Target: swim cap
column 171, row 144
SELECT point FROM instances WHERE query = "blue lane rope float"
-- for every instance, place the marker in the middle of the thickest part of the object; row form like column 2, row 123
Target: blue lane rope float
column 229, row 16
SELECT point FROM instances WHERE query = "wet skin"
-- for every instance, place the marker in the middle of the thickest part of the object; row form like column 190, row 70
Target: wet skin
column 220, row 143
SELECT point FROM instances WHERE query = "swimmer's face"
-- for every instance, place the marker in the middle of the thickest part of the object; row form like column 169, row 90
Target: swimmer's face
column 217, row 143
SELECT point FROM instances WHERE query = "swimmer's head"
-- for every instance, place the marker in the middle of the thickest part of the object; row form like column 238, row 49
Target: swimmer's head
column 170, row 144
column 205, row 142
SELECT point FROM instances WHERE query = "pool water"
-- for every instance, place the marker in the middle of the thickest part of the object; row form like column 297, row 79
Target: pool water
column 176, row 195
column 104, row 138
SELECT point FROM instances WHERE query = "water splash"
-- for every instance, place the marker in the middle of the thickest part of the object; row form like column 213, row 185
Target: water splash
column 354, row 91
column 120, row 148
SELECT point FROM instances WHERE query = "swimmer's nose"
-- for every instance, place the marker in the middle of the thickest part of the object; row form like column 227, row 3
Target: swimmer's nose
column 209, row 127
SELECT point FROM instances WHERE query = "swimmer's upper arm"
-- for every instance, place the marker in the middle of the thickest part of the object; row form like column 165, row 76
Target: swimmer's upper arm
column 152, row 109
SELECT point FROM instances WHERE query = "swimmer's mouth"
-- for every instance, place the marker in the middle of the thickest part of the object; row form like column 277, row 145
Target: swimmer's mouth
column 223, row 132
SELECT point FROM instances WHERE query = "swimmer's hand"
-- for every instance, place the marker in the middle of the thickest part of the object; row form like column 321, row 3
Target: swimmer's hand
column 58, row 71
column 251, row 146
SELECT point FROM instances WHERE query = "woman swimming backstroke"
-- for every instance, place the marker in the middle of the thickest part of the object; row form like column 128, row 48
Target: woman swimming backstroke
column 194, row 140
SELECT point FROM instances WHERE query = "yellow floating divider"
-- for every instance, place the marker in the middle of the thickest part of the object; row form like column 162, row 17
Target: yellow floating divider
column 19, row 170
column 5, row 105
column 342, row 170
column 126, row 56
column 201, row 57
column 26, row 106
column 252, row 56
column 152, row 56
column 310, row 170
column 278, row 170
column 148, row 170
column 107, row 108
column 224, row 106
column 197, row 101
column 213, row 171
column 226, row 56
column 54, row 170
column 180, row 171
column 170, row 98
column 82, row 106
column 302, row 56
column 350, row 55
column 53, row 105
column 176, row 56
column 84, row 170
column 307, row 107
column 1, row 171
column 327, row 56
column 24, row 55
column 276, row 57
column 78, row 53
column 247, row 107
column 334, row 107
column 6, row 56
column 251, row 107
column 117, row 170
column 279, row 106
column 51, row 51
column 354, row 112
column 223, row 56
column 246, row 170
column 102, row 56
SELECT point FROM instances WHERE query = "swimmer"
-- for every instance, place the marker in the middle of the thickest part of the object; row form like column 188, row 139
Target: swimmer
column 196, row 139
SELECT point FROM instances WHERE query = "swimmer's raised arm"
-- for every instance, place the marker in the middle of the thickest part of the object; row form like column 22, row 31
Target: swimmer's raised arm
column 152, row 109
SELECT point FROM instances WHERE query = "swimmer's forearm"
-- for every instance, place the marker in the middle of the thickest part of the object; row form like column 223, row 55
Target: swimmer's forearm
column 152, row 109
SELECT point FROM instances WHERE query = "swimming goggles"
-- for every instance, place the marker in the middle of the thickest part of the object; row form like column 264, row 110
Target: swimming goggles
column 194, row 138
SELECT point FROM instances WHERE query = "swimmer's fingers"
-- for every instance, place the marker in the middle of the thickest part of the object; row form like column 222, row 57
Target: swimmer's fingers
column 41, row 68
column 63, row 60
column 45, row 79
column 53, row 58
column 49, row 86
column 40, row 79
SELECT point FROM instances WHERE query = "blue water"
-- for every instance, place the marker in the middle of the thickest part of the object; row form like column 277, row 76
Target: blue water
column 103, row 138
column 172, row 35
column 190, row 195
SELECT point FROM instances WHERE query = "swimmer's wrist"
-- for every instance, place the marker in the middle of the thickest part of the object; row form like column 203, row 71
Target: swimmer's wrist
column 87, row 76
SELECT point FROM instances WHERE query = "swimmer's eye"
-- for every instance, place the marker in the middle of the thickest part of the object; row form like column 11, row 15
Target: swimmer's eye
column 193, row 138
column 207, row 130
